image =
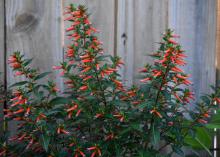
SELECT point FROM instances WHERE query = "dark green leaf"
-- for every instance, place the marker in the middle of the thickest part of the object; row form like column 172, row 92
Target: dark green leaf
column 41, row 75
column 27, row 61
column 19, row 84
column 155, row 135
column 59, row 100
column 45, row 141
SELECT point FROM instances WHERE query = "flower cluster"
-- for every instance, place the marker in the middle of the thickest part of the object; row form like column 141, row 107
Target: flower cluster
column 96, row 115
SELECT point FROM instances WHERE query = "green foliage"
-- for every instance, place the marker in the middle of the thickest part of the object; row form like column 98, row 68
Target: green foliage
column 97, row 115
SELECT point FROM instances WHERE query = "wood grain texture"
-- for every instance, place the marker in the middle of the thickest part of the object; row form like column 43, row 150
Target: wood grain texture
column 2, row 55
column 102, row 16
column 33, row 27
column 144, row 23
column 195, row 21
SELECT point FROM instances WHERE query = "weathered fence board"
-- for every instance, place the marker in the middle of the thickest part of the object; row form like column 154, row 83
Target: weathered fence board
column 33, row 27
column 103, row 17
column 2, row 55
column 143, row 24
column 195, row 22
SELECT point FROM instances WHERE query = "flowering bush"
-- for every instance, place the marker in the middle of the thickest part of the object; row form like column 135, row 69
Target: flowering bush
column 96, row 115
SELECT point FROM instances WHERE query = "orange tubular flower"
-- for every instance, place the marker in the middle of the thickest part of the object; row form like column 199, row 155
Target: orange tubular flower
column 157, row 73
column 131, row 93
column 217, row 100
column 18, row 118
column 154, row 111
column 206, row 115
column 28, row 111
column 178, row 98
column 109, row 137
column 30, row 143
column 79, row 153
column 143, row 70
column 86, row 69
column 145, row 80
column 87, row 60
column 12, row 59
column 70, row 52
column 87, row 22
column 72, row 108
column 57, row 67
column 175, row 36
column 18, row 73
column 41, row 116
column 119, row 63
column 61, row 130
column 19, row 111
column 58, row 130
column 202, row 121
column 87, row 78
column 84, row 56
column 70, row 29
column 175, row 69
column 99, row 115
column 78, row 112
column 16, row 65
column 64, row 131
column 187, row 82
column 136, row 102
column 118, row 83
column 173, row 42
column 180, row 62
column 83, row 88
column 22, row 137
column 170, row 123
column 119, row 116
column 181, row 77
column 96, row 151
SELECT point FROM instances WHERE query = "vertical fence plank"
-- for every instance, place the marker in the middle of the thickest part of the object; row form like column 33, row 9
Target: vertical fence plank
column 102, row 16
column 33, row 27
column 145, row 21
column 2, row 55
column 195, row 21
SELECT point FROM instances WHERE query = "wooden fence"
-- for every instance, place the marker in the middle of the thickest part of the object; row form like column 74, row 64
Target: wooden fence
column 129, row 28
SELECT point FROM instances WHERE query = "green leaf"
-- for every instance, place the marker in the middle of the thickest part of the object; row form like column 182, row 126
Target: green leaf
column 41, row 75
column 155, row 135
column 201, row 140
column 59, row 100
column 52, row 112
column 213, row 126
column 203, row 145
column 143, row 105
column 45, row 141
column 21, row 83
column 27, row 61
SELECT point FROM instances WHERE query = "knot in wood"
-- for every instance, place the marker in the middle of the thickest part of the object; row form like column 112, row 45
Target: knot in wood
column 25, row 22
